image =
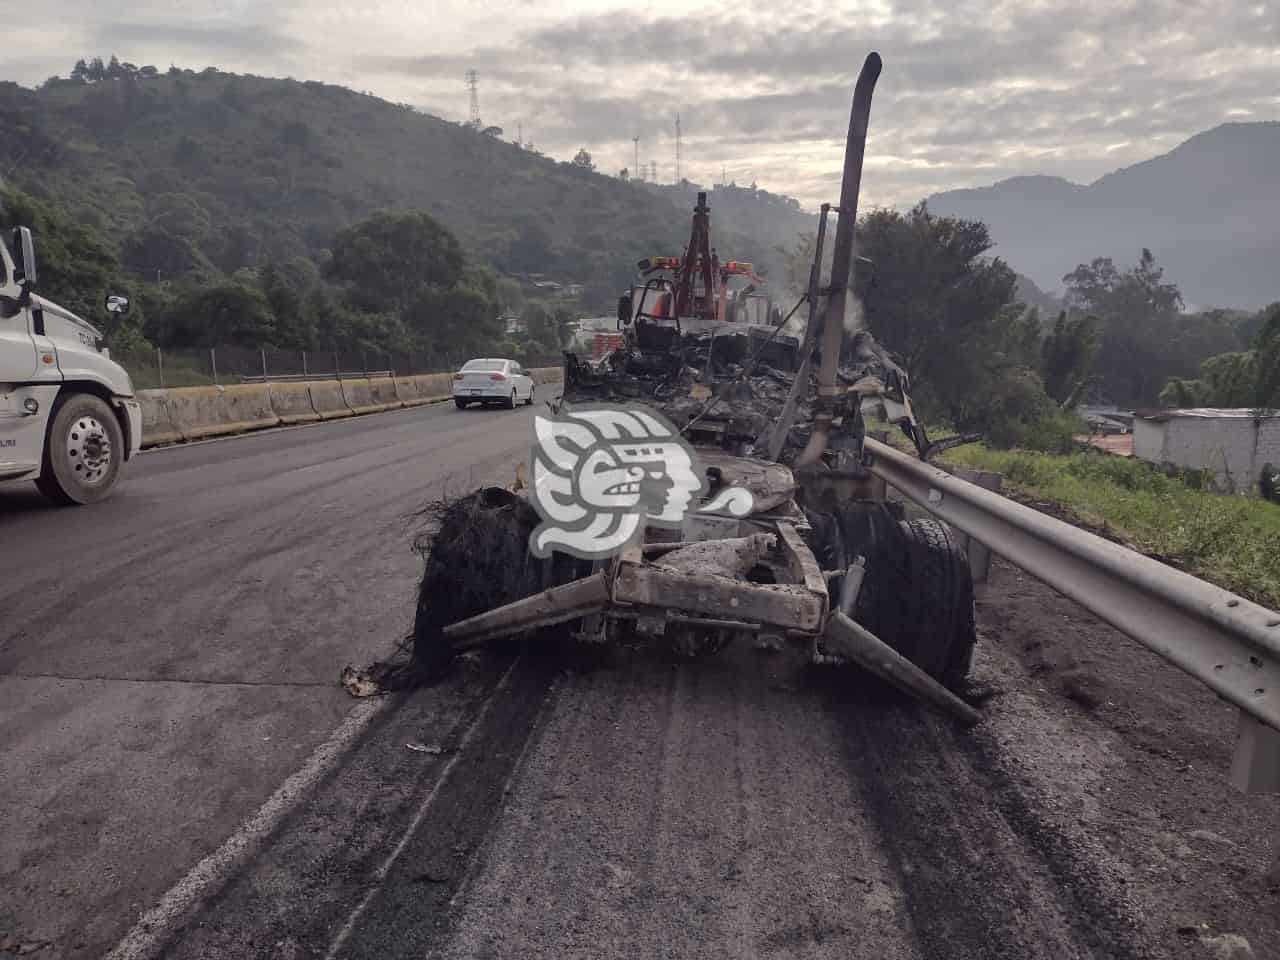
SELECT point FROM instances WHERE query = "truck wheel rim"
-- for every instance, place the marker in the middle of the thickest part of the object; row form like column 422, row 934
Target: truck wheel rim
column 89, row 450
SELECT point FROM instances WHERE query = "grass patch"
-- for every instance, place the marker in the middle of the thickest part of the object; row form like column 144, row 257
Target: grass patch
column 1228, row 540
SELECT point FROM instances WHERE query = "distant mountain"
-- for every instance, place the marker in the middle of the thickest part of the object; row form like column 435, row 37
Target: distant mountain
column 192, row 171
column 1209, row 210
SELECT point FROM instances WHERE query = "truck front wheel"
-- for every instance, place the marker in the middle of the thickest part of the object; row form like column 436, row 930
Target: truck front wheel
column 83, row 450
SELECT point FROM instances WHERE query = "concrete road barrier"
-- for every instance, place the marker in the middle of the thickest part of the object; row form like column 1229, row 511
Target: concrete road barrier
column 327, row 399
column 434, row 386
column 407, row 392
column 547, row 374
column 192, row 413
column 212, row 411
column 359, row 397
column 383, row 392
column 158, row 425
column 292, row 402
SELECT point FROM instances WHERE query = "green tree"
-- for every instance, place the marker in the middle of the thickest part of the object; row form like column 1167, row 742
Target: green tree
column 541, row 329
column 385, row 260
column 1067, row 354
column 156, row 254
column 456, row 320
column 509, row 295
column 582, row 160
column 294, row 328
column 1267, row 350
column 224, row 313
column 1181, row 393
column 1138, row 311
column 1226, row 380
column 180, row 215
column 77, row 266
column 935, row 297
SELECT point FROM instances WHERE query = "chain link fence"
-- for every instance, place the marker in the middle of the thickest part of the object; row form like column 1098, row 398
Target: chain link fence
column 154, row 368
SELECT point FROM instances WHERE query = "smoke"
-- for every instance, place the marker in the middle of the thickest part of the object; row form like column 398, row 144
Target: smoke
column 853, row 315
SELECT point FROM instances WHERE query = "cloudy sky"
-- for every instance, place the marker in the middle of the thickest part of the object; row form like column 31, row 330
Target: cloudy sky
column 972, row 92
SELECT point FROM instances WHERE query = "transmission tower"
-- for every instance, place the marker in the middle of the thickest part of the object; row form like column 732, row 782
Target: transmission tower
column 677, row 148
column 473, row 84
column 653, row 170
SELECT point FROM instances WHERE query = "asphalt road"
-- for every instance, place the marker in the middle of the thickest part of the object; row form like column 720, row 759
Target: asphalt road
column 183, row 778
column 170, row 656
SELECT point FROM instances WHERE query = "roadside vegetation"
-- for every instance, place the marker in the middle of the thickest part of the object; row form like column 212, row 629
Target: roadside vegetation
column 1232, row 541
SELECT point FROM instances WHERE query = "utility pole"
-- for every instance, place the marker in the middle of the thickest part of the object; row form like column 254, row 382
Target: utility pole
column 677, row 149
column 520, row 134
column 636, row 164
column 473, row 83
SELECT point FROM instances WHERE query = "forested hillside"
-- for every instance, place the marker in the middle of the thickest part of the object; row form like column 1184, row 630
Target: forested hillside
column 180, row 181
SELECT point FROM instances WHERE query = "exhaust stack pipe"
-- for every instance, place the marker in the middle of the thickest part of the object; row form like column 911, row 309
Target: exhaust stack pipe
column 842, row 263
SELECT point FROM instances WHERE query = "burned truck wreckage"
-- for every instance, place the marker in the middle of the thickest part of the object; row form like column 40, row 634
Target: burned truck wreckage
column 820, row 557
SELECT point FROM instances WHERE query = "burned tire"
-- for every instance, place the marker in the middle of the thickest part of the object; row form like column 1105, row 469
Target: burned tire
column 477, row 559
column 941, row 580
column 917, row 593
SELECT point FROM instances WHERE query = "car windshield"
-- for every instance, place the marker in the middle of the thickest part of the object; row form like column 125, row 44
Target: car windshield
column 483, row 365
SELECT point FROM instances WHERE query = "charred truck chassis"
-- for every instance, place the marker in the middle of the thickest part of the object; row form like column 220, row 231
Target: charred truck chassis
column 823, row 559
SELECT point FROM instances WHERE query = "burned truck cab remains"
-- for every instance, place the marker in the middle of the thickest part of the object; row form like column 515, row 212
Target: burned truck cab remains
column 822, row 558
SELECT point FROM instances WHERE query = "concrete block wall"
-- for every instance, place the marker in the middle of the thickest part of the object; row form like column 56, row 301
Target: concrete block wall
column 193, row 413
column 1235, row 449
column 1148, row 440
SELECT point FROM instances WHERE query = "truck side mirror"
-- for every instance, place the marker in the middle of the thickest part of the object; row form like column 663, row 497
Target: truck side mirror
column 117, row 304
column 25, row 269
column 624, row 310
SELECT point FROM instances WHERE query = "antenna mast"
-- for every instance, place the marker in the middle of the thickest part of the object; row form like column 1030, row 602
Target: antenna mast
column 473, row 84
column 677, row 148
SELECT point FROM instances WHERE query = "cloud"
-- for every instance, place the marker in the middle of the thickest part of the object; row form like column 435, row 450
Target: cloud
column 972, row 91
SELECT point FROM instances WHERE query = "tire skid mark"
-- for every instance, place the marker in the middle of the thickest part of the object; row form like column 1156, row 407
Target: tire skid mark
column 983, row 876
column 411, row 909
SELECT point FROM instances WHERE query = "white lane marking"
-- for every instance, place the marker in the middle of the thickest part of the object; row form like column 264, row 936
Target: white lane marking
column 149, row 933
column 421, row 814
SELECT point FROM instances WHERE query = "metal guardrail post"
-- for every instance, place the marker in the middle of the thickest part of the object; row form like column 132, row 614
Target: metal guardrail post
column 979, row 554
column 1228, row 643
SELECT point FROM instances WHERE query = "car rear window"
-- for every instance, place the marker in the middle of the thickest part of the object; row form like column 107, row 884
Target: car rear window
column 484, row 365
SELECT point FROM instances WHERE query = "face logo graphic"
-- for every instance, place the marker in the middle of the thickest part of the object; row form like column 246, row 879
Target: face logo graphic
column 601, row 471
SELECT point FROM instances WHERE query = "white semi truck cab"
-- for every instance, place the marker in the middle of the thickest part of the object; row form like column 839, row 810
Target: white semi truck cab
column 68, row 417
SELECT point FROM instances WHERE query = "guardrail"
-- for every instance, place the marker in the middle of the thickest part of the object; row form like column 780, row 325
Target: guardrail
column 1228, row 643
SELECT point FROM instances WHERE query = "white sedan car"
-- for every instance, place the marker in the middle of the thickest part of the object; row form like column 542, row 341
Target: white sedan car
column 492, row 381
